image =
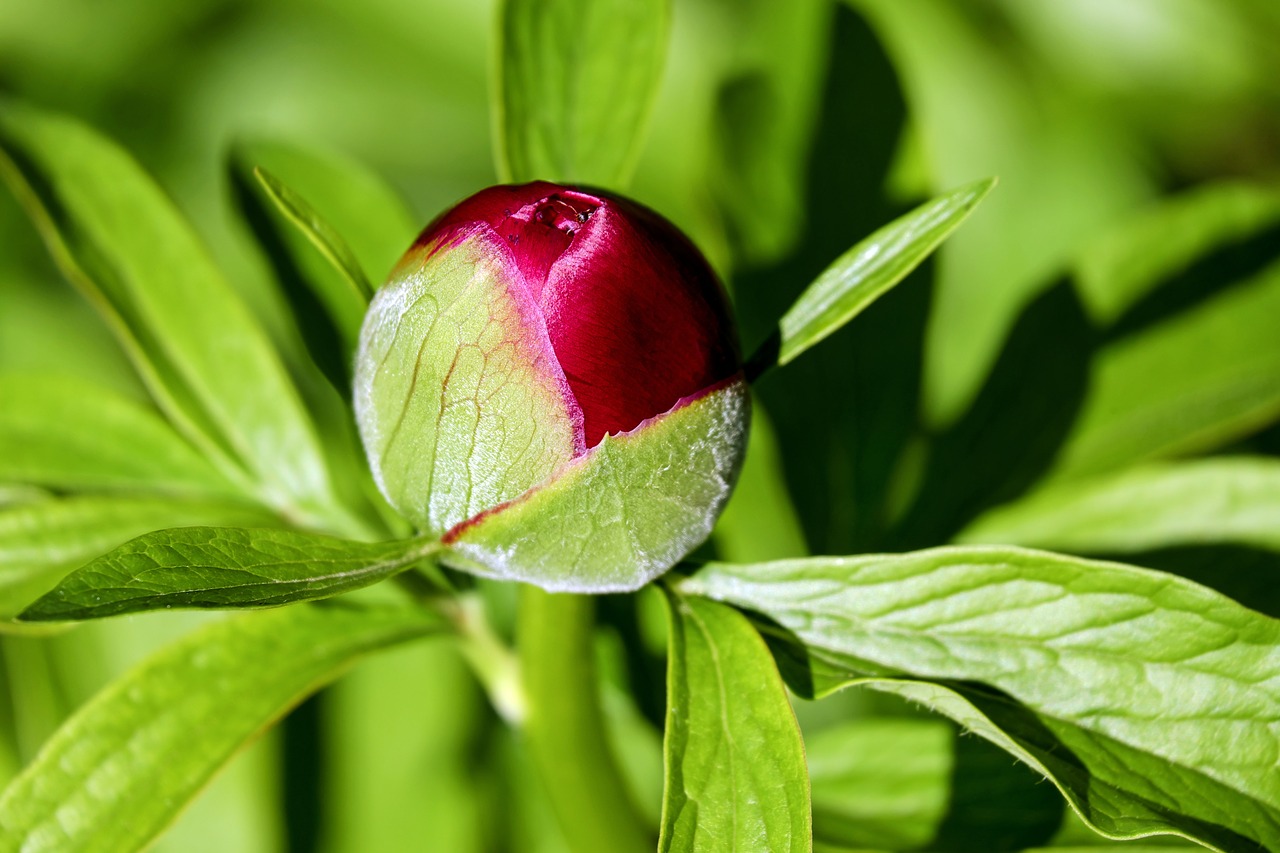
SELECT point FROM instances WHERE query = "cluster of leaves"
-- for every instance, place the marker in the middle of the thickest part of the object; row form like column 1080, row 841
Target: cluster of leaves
column 1150, row 702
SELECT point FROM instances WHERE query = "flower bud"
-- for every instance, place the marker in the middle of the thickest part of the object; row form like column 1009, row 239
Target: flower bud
column 550, row 381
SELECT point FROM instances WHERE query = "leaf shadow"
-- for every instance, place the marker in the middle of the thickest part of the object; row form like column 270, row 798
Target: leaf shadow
column 1011, row 434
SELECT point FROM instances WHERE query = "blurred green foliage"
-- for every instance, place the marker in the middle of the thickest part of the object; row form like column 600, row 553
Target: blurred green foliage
column 783, row 132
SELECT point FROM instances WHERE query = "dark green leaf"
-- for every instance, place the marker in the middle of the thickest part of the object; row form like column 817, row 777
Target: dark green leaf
column 71, row 435
column 578, row 81
column 861, row 275
column 201, row 353
column 1179, row 503
column 119, row 771
column 736, row 775
column 222, row 567
column 41, row 540
column 1149, row 700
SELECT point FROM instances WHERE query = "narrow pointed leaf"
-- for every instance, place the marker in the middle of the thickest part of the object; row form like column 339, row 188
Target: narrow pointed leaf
column 213, row 567
column 1152, row 702
column 203, row 356
column 40, row 541
column 578, row 81
column 327, row 241
column 736, row 774
column 73, row 435
column 119, row 771
column 1214, row 500
column 331, row 229
column 862, row 275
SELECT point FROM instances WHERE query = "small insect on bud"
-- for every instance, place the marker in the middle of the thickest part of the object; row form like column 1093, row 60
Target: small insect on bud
column 550, row 381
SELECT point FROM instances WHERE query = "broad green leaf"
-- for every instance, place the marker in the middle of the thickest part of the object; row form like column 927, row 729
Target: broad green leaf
column 619, row 516
column 1178, row 503
column 1127, row 263
column 1151, row 701
column 1194, row 381
column 577, row 84
column 119, row 770
column 861, row 275
column 215, row 567
column 736, row 775
column 71, row 435
column 913, row 783
column 42, row 540
column 201, row 353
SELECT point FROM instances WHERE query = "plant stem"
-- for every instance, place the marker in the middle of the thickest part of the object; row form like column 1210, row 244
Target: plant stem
column 564, row 726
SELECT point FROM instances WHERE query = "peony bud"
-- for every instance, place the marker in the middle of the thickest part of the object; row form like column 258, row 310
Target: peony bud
column 550, row 382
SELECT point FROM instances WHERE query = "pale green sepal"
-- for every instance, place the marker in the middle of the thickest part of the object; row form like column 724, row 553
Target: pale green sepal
column 623, row 514
column 460, row 400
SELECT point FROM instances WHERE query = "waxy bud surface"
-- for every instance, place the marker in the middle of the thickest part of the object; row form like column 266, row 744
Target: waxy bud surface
column 550, row 382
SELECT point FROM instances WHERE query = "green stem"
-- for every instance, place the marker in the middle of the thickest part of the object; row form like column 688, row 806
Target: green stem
column 564, row 726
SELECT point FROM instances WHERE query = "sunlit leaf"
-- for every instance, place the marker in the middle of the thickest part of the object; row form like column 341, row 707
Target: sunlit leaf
column 1191, row 382
column 736, row 775
column 69, row 434
column 213, row 567
column 862, row 274
column 120, row 770
column 1149, row 700
column 201, row 353
column 41, row 541
column 1177, row 503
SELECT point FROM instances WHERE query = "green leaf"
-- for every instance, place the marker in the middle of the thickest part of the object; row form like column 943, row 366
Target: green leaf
column 619, row 516
column 328, row 227
column 1127, row 263
column 578, row 81
column 911, row 783
column 736, row 775
column 72, row 435
column 120, row 770
column 1150, row 701
column 1194, row 381
column 327, row 241
column 222, row 567
column 863, row 274
column 1203, row 501
column 40, row 541
column 201, row 353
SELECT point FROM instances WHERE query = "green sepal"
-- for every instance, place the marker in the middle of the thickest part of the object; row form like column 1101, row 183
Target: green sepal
column 460, row 400
column 624, row 513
